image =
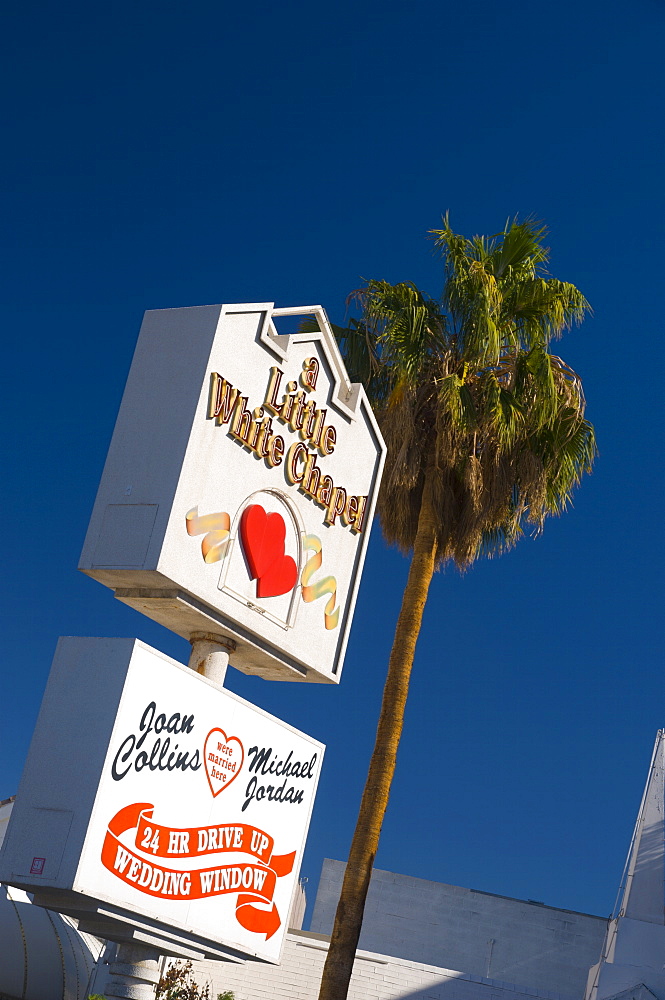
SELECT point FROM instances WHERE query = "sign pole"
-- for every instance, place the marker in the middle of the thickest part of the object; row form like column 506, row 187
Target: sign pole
column 134, row 973
column 210, row 655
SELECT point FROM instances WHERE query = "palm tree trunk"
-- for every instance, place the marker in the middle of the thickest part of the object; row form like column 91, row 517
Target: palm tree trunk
column 349, row 915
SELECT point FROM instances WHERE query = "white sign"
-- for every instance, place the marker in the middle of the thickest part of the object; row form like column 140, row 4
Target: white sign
column 163, row 795
column 239, row 488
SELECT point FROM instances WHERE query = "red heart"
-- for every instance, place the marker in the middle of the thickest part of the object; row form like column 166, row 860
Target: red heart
column 262, row 536
column 224, row 757
column 279, row 579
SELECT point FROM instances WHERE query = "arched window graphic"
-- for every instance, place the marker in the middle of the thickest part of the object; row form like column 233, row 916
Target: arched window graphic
column 263, row 561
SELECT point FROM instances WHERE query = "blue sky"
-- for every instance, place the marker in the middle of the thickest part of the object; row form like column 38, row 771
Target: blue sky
column 166, row 155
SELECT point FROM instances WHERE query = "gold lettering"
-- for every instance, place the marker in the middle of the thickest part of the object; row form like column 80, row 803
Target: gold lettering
column 255, row 427
column 286, row 408
column 263, row 437
column 327, row 445
column 318, row 427
column 311, row 476
column 349, row 511
column 296, row 451
column 358, row 519
column 324, row 491
column 336, row 504
column 274, row 381
column 309, row 374
column 275, row 451
column 222, row 398
column 296, row 420
column 308, row 418
column 242, row 420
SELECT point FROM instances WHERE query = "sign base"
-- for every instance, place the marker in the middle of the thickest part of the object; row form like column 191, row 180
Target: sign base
column 185, row 615
column 112, row 923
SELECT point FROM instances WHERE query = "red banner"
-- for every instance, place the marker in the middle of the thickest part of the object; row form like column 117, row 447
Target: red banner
column 194, row 841
column 254, row 882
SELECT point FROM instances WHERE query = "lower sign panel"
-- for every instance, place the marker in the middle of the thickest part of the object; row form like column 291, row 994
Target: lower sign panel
column 150, row 789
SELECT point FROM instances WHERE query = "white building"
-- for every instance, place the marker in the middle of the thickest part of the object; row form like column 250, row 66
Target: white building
column 42, row 954
column 424, row 940
column 421, row 940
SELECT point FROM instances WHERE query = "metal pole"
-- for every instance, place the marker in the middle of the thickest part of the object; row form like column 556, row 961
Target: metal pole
column 134, row 974
column 210, row 655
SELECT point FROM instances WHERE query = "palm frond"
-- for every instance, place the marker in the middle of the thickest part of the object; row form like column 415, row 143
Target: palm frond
column 520, row 252
column 470, row 380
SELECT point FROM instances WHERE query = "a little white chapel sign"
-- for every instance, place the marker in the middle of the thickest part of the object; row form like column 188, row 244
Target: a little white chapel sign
column 156, row 807
column 239, row 487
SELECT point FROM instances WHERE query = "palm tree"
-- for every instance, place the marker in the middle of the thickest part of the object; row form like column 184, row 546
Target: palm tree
column 486, row 435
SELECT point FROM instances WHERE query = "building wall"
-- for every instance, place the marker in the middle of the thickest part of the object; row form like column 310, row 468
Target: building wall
column 42, row 954
column 6, row 806
column 477, row 932
column 375, row 977
column 298, row 907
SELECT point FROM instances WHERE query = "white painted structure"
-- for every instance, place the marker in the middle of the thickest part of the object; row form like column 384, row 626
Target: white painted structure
column 375, row 976
column 428, row 941
column 632, row 963
column 239, row 488
column 181, row 824
column 499, row 948
column 42, row 954
column 478, row 933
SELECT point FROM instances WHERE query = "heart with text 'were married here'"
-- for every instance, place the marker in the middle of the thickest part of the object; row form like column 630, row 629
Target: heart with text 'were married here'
column 224, row 756
column 262, row 536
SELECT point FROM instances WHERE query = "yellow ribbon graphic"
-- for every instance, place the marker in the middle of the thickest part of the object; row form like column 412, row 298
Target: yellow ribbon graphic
column 218, row 528
column 326, row 586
